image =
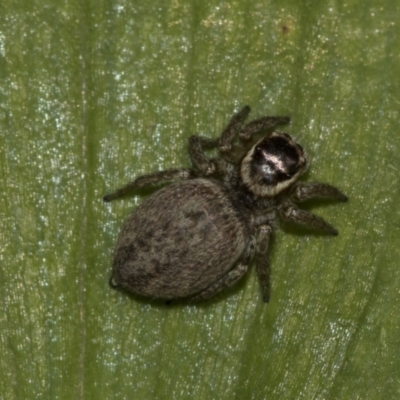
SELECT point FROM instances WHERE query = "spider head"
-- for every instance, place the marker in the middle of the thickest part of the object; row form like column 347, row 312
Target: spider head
column 272, row 165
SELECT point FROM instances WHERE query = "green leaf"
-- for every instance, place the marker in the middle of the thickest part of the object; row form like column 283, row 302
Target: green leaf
column 93, row 94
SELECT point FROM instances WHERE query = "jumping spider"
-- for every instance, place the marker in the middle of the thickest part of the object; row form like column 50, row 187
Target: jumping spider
column 196, row 237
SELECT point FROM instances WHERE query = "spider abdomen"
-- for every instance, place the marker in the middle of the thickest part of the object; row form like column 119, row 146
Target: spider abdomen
column 181, row 240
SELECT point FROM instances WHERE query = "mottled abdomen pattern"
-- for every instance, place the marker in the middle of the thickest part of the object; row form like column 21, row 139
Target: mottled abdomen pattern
column 180, row 240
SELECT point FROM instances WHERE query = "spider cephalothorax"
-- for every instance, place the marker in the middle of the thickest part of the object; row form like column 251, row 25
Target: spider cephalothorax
column 196, row 237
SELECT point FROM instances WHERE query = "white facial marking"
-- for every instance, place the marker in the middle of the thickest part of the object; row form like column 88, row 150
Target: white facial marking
column 275, row 161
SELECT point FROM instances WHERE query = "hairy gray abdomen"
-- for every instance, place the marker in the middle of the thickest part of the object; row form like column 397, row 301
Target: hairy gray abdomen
column 180, row 241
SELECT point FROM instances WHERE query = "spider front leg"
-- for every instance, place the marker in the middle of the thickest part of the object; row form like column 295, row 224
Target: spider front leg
column 263, row 269
column 289, row 212
column 235, row 127
column 149, row 180
column 260, row 125
column 315, row 190
column 231, row 277
column 197, row 144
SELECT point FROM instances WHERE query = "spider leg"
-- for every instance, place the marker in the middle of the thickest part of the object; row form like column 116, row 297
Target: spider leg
column 197, row 144
column 263, row 268
column 233, row 153
column 261, row 124
column 149, row 180
column 315, row 190
column 233, row 128
column 228, row 280
column 229, row 152
column 289, row 212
